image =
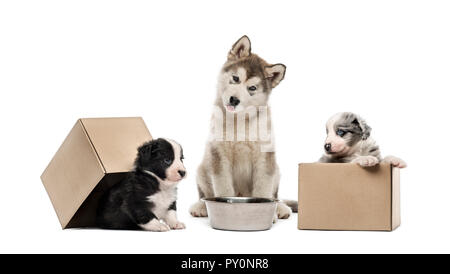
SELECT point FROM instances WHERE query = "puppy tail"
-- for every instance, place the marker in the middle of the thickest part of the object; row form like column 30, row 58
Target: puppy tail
column 292, row 204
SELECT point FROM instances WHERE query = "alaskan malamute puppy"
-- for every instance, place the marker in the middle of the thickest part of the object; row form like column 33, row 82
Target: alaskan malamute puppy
column 348, row 141
column 239, row 159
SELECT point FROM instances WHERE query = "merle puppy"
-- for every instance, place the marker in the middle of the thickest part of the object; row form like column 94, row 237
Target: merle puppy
column 349, row 141
column 147, row 195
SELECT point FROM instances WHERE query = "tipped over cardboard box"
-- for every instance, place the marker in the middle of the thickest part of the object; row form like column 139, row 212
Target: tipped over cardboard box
column 348, row 197
column 97, row 153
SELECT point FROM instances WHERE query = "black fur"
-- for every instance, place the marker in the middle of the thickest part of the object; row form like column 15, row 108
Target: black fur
column 126, row 205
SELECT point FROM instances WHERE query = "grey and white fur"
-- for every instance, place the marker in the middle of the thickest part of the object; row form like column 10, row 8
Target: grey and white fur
column 349, row 141
column 240, row 167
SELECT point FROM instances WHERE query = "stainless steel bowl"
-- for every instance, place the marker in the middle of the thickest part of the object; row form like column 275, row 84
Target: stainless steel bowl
column 241, row 213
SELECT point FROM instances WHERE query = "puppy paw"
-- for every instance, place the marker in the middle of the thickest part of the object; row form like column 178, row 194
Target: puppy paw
column 198, row 209
column 366, row 161
column 177, row 225
column 283, row 211
column 395, row 161
column 155, row 225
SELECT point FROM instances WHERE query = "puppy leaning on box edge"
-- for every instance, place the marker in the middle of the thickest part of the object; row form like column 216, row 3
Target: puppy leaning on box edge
column 348, row 141
column 148, row 194
column 239, row 167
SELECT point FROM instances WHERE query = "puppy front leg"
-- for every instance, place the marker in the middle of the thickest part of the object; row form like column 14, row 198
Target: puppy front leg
column 146, row 220
column 395, row 161
column 154, row 225
column 263, row 184
column 366, row 161
column 171, row 218
column 222, row 180
column 266, row 178
column 263, row 187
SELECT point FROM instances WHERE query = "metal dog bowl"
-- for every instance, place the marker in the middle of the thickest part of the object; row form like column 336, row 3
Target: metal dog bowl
column 241, row 213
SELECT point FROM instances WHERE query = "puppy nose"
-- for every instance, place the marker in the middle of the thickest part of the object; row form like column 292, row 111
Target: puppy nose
column 182, row 173
column 234, row 101
column 328, row 147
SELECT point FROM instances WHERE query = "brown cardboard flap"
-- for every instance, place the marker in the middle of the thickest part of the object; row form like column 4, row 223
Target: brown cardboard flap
column 96, row 154
column 115, row 140
column 345, row 197
column 72, row 174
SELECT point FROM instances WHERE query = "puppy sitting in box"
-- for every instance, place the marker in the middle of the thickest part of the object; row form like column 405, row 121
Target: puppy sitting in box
column 147, row 195
column 348, row 141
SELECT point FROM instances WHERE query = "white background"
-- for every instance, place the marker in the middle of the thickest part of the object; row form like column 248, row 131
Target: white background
column 389, row 61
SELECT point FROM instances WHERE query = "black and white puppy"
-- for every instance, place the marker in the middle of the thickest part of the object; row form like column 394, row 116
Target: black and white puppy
column 147, row 196
column 348, row 141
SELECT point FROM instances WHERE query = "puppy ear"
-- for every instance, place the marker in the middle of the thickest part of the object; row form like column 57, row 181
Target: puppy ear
column 148, row 148
column 365, row 128
column 275, row 73
column 142, row 152
column 145, row 149
column 240, row 49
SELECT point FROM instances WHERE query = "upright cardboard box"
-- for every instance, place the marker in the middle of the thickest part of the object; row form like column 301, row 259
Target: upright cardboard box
column 348, row 197
column 97, row 153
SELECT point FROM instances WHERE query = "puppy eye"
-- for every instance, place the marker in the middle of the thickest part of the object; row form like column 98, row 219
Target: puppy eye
column 236, row 79
column 340, row 132
column 182, row 157
column 251, row 90
column 167, row 161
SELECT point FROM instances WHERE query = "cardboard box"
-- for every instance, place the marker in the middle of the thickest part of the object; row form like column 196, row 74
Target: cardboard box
column 348, row 197
column 97, row 153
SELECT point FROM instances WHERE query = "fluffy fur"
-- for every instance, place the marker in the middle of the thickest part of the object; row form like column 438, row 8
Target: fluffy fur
column 234, row 166
column 349, row 141
column 147, row 195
